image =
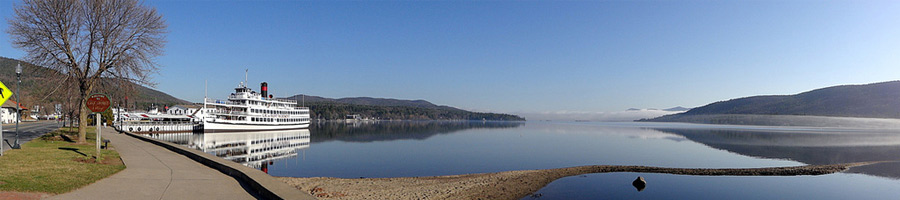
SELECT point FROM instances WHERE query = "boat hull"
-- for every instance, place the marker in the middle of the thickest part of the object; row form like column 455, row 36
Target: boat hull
column 224, row 127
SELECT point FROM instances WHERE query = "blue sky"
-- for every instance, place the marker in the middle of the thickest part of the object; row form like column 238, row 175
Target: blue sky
column 525, row 57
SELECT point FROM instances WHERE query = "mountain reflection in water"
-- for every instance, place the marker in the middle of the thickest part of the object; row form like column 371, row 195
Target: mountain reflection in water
column 807, row 147
column 373, row 131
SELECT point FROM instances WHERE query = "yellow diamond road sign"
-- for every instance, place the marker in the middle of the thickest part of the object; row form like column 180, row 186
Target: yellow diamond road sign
column 5, row 93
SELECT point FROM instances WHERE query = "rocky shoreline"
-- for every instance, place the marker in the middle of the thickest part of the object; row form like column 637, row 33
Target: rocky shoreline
column 511, row 184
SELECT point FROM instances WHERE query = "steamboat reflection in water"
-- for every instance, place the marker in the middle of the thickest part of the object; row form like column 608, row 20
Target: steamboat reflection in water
column 257, row 149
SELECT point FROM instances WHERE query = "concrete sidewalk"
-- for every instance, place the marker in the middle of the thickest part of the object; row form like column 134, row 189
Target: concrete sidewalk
column 153, row 172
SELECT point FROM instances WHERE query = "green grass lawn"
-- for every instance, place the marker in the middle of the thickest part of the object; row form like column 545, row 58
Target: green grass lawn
column 52, row 165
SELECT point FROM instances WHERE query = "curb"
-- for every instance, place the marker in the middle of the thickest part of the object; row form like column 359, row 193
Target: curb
column 266, row 186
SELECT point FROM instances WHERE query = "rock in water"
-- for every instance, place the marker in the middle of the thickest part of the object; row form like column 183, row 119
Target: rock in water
column 639, row 183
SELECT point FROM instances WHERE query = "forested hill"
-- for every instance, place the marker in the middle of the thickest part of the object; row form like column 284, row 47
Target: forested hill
column 369, row 101
column 387, row 109
column 42, row 86
column 876, row 100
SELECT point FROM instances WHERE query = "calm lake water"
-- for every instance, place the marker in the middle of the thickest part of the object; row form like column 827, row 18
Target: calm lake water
column 400, row 149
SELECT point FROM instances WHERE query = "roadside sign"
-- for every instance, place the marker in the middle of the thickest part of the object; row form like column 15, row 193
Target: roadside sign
column 5, row 93
column 98, row 102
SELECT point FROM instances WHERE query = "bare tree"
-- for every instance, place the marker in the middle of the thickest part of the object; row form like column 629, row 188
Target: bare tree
column 89, row 40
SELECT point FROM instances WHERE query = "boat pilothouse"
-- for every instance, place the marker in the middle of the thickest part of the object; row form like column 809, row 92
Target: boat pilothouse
column 246, row 109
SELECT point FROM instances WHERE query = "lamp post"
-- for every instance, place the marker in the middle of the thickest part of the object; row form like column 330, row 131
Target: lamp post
column 18, row 105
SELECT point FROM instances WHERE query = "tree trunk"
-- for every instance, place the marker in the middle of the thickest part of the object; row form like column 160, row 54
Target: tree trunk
column 82, row 120
column 86, row 89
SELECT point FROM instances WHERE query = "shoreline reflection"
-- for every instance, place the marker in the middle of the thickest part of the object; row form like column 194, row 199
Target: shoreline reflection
column 372, row 131
column 809, row 148
column 256, row 149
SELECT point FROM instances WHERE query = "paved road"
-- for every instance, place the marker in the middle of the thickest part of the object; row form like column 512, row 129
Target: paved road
column 27, row 131
column 153, row 172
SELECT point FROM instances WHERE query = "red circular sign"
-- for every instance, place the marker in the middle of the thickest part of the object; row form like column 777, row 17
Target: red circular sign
column 98, row 102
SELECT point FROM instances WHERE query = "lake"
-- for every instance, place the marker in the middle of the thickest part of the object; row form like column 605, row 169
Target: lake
column 434, row 148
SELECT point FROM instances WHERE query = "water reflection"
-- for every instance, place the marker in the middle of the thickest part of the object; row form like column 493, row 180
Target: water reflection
column 807, row 147
column 668, row 186
column 373, row 131
column 254, row 149
column 410, row 148
column 639, row 184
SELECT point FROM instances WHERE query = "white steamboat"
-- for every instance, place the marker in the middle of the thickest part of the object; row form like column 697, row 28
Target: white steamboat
column 247, row 110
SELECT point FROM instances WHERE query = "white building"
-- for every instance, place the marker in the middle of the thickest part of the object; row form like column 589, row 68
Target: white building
column 183, row 109
column 8, row 111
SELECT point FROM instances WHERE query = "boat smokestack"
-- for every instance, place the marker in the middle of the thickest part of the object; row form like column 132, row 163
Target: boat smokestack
column 264, row 88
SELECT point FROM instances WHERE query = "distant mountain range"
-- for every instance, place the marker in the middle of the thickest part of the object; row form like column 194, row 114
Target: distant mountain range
column 145, row 96
column 876, row 100
column 674, row 109
column 370, row 101
column 391, row 109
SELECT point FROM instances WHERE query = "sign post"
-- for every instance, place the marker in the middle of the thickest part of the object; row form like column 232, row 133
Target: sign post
column 97, row 118
column 98, row 103
column 5, row 93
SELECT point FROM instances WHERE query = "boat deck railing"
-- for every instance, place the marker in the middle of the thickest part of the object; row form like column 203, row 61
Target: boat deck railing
column 227, row 112
column 225, row 102
column 158, row 126
column 277, row 100
column 285, row 100
column 215, row 101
